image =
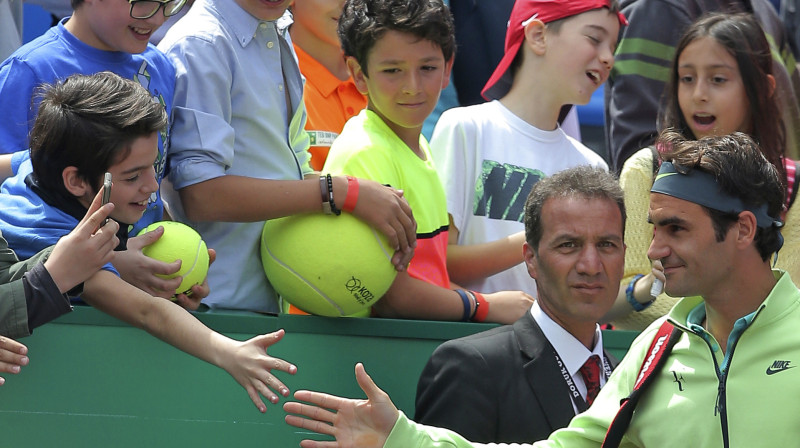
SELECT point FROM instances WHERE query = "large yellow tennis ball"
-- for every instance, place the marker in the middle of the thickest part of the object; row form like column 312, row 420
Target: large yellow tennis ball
column 327, row 265
column 180, row 242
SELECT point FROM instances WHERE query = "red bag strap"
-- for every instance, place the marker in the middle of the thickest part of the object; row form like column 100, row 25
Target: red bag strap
column 662, row 344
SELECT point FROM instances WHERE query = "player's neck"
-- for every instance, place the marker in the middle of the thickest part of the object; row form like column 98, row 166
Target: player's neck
column 738, row 299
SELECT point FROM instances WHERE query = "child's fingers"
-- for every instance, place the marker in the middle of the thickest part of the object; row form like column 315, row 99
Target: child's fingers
column 94, row 220
column 162, row 268
column 97, row 202
column 256, row 398
column 188, row 302
column 267, row 393
column 13, row 355
column 161, row 287
column 270, row 381
column 13, row 346
column 267, row 340
column 107, row 236
column 145, row 239
column 96, row 214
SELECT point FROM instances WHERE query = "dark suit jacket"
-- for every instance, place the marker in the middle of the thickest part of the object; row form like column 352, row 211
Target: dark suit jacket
column 501, row 385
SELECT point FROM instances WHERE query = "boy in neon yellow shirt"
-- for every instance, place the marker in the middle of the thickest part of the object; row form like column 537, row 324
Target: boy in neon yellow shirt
column 399, row 54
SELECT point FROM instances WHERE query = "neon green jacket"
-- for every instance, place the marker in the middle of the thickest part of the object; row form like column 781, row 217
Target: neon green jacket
column 754, row 400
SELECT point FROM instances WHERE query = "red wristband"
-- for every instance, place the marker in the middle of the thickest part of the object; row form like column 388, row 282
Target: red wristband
column 481, row 307
column 352, row 195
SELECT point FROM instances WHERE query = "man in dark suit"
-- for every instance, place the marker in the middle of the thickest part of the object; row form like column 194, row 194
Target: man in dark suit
column 520, row 382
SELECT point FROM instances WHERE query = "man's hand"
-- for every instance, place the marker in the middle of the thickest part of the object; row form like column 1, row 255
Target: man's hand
column 354, row 423
column 13, row 356
column 85, row 250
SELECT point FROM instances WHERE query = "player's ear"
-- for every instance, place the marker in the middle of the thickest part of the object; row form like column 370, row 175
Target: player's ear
column 74, row 183
column 746, row 227
column 771, row 82
column 535, row 36
column 448, row 67
column 358, row 75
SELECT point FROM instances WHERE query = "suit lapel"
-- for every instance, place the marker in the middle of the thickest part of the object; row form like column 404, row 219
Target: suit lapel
column 542, row 372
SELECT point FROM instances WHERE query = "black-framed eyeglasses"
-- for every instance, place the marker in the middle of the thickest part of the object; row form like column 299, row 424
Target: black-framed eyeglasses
column 144, row 9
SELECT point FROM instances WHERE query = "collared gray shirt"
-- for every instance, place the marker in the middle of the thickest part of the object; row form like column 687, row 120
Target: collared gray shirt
column 235, row 75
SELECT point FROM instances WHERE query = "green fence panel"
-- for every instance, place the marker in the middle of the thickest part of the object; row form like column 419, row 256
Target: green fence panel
column 94, row 381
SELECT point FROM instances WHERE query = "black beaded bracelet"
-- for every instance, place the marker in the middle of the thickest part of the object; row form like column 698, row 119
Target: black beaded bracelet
column 335, row 210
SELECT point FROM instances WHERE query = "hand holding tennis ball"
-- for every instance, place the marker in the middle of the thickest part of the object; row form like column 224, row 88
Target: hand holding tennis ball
column 180, row 242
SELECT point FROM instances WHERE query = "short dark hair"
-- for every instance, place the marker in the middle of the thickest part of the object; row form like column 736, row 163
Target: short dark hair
column 583, row 182
column 363, row 22
column 740, row 169
column 89, row 122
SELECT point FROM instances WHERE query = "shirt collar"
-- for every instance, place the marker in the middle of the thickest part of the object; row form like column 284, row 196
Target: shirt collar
column 324, row 80
column 571, row 351
column 243, row 25
column 691, row 310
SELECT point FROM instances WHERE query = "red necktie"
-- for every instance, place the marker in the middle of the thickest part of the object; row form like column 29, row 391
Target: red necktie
column 591, row 377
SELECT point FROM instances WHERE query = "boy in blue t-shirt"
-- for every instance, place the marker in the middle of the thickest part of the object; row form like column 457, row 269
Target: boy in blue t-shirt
column 99, row 36
column 399, row 54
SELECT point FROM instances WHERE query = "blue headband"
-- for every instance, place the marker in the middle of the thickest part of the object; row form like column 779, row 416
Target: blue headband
column 702, row 189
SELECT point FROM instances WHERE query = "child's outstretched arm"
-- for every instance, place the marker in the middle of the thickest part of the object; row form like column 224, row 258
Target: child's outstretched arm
column 469, row 263
column 412, row 298
column 246, row 361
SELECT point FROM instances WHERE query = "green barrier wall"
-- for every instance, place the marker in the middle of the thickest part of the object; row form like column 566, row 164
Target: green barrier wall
column 96, row 382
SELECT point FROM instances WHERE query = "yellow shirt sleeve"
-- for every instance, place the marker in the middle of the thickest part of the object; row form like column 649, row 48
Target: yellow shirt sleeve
column 636, row 180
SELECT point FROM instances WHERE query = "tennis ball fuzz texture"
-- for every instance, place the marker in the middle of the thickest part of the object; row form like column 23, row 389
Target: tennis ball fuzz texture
column 327, row 265
column 180, row 242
